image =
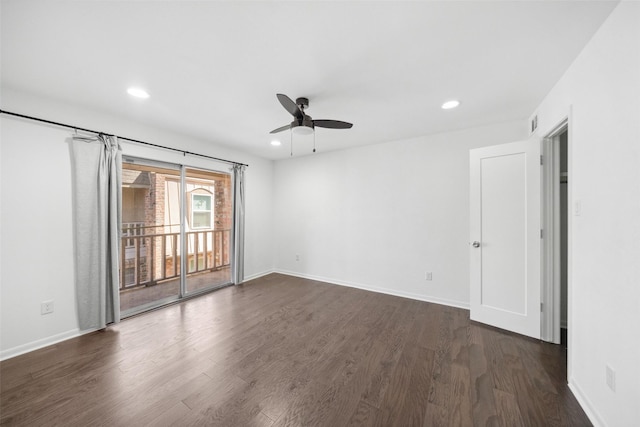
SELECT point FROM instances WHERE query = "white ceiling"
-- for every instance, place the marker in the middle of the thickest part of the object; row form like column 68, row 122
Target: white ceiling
column 213, row 68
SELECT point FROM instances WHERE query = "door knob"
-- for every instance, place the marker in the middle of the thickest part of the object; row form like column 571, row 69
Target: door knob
column 476, row 244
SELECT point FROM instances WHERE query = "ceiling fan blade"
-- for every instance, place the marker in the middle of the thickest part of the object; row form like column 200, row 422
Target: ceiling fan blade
column 289, row 105
column 280, row 129
column 332, row 124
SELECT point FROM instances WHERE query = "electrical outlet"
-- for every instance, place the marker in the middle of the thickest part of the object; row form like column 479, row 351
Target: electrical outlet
column 611, row 378
column 577, row 208
column 46, row 307
column 428, row 275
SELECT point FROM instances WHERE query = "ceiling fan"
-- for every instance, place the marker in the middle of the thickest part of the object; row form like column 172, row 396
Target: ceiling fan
column 303, row 123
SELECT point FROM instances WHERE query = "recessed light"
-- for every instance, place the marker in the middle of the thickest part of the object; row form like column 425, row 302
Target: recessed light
column 138, row 92
column 450, row 104
column 276, row 143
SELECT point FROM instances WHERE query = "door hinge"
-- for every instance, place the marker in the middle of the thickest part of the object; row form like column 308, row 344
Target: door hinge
column 541, row 161
column 541, row 307
column 541, row 233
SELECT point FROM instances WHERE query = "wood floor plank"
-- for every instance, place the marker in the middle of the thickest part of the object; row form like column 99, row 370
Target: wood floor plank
column 439, row 388
column 530, row 410
column 392, row 340
column 311, row 323
column 280, row 351
column 278, row 385
column 363, row 415
column 499, row 365
column 459, row 403
column 429, row 336
column 215, row 391
column 415, row 403
column 435, row 416
column 349, row 388
column 507, row 409
column 238, row 407
column 172, row 416
column 287, row 375
column 482, row 397
column 156, row 408
column 122, row 398
column 408, row 393
column 459, row 406
column 52, row 390
column 341, row 375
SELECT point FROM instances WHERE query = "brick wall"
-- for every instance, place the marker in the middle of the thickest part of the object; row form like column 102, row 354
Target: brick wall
column 154, row 219
column 223, row 202
column 224, row 214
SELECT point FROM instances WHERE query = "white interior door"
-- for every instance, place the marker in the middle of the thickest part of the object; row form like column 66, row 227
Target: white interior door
column 505, row 236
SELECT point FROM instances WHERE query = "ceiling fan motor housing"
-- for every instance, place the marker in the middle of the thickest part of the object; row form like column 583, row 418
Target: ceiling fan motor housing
column 302, row 102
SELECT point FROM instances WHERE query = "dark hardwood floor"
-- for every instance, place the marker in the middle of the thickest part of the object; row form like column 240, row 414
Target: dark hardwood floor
column 284, row 351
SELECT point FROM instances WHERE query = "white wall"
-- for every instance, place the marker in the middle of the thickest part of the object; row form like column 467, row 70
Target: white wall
column 378, row 217
column 602, row 91
column 36, row 222
column 37, row 245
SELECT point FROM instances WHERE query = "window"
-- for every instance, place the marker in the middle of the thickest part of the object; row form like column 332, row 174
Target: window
column 201, row 212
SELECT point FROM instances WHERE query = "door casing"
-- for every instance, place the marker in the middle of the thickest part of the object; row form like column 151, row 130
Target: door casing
column 551, row 262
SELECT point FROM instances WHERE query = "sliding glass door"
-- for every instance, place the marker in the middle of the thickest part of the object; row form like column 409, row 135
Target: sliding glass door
column 150, row 243
column 176, row 233
column 208, row 223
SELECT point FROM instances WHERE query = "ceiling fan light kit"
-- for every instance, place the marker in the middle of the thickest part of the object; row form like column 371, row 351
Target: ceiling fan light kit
column 302, row 123
column 302, row 129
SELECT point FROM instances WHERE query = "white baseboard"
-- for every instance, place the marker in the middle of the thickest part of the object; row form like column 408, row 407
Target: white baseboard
column 44, row 342
column 586, row 405
column 387, row 291
column 257, row 275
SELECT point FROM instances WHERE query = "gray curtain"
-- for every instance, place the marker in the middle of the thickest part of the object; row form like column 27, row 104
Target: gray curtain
column 96, row 174
column 238, row 223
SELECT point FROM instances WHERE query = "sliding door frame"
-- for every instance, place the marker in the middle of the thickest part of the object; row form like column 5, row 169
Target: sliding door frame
column 183, row 232
column 183, row 293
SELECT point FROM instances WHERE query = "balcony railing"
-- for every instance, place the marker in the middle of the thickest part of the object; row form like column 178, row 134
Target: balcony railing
column 148, row 258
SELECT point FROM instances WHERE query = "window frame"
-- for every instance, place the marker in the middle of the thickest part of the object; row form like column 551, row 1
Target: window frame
column 194, row 211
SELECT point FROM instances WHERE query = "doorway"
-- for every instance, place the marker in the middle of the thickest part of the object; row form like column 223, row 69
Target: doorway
column 555, row 216
column 564, row 233
column 519, row 218
column 176, row 233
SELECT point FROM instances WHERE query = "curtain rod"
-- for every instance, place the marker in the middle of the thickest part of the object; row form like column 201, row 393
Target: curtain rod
column 120, row 137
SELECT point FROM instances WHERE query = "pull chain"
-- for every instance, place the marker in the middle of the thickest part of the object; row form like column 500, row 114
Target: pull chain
column 291, row 140
column 314, row 140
